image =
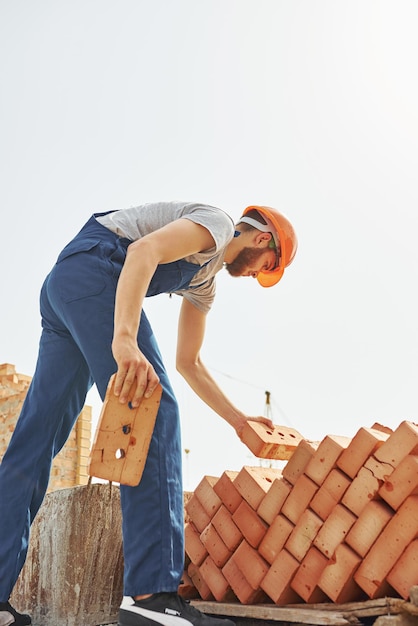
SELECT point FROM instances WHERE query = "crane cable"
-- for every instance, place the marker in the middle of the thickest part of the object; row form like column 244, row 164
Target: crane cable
column 268, row 411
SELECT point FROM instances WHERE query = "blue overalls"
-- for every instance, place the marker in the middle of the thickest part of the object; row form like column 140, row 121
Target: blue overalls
column 77, row 307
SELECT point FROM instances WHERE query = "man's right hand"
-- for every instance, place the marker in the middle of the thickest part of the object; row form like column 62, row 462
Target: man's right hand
column 135, row 374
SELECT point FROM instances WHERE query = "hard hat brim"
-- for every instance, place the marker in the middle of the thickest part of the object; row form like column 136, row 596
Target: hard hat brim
column 269, row 279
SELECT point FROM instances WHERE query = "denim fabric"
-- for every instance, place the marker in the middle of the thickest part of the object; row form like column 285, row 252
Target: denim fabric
column 77, row 307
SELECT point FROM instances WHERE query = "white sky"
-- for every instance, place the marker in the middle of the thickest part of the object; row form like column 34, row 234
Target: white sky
column 309, row 106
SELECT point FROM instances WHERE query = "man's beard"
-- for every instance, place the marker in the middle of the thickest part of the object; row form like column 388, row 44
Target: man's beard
column 243, row 260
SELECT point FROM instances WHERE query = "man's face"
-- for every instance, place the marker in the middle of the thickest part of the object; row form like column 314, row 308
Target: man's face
column 250, row 261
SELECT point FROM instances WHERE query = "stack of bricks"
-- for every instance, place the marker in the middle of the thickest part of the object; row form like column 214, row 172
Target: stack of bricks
column 339, row 523
column 70, row 466
column 13, row 389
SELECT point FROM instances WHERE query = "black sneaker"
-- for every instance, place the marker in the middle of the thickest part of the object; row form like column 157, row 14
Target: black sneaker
column 168, row 609
column 10, row 617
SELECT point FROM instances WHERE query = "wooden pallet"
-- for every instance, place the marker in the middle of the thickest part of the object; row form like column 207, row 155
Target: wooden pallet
column 401, row 612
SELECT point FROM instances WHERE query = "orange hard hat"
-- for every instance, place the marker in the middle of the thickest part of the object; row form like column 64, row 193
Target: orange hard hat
column 284, row 237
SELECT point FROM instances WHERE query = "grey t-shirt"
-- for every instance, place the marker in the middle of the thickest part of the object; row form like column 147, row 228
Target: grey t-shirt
column 139, row 221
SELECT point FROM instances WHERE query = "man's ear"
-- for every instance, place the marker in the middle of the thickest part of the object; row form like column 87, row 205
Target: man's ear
column 261, row 238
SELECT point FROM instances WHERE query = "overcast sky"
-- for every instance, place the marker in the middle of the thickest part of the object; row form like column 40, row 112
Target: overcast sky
column 309, row 106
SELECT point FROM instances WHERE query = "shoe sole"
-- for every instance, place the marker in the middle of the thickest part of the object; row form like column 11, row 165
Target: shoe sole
column 128, row 618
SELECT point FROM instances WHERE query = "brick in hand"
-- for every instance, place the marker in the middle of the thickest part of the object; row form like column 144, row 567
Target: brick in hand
column 266, row 443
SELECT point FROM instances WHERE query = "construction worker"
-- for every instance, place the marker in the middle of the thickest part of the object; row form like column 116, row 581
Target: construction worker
column 93, row 325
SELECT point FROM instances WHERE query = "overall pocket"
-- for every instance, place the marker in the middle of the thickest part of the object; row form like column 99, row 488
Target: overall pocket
column 78, row 271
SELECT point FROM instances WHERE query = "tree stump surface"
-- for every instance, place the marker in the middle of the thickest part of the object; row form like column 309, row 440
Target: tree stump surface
column 73, row 574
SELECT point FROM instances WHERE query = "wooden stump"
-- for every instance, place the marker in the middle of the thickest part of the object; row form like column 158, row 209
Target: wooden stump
column 74, row 571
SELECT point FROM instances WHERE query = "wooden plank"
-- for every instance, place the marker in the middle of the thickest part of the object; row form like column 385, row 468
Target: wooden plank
column 322, row 614
column 273, row 612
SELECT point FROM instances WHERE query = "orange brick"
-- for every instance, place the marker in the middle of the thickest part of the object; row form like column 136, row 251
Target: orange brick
column 270, row 506
column 199, row 582
column 195, row 549
column 197, row 513
column 404, row 574
column 337, row 578
column 364, row 488
column 330, row 493
column 10, row 378
column 334, row 530
column 207, row 496
column 267, row 443
column 403, row 482
column 299, row 460
column 226, row 527
column 276, row 582
column 382, row 428
column 299, row 498
column 305, row 581
column 403, row 441
column 7, row 369
column 325, row 457
column 240, row 586
column 186, row 495
column 216, row 581
column 226, row 491
column 303, row 534
column 372, row 520
column 388, row 548
column 251, row 564
column 380, row 470
column 252, row 483
column 323, row 503
column 215, row 546
column 275, row 538
column 250, row 524
column 186, row 589
column 363, row 444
